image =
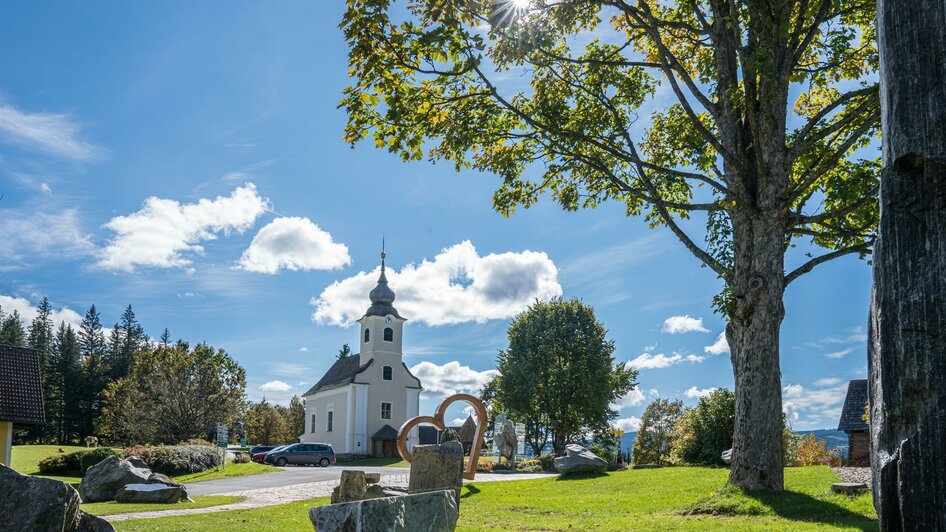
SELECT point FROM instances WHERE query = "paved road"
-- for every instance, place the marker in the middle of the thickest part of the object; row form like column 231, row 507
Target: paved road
column 287, row 477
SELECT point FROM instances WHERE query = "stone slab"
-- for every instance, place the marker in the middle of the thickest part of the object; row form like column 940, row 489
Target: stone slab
column 432, row 511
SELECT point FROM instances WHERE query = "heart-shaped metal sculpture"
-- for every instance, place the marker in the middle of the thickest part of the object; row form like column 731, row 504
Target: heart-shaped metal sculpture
column 437, row 421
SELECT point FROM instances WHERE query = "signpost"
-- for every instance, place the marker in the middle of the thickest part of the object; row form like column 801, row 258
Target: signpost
column 223, row 439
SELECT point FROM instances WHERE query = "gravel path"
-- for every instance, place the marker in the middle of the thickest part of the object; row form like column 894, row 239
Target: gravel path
column 854, row 474
column 300, row 492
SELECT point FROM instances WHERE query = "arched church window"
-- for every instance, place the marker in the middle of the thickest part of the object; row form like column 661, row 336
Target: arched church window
column 367, row 334
column 388, row 334
column 387, row 373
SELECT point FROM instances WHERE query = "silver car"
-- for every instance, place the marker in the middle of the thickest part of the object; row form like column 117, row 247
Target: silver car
column 320, row 454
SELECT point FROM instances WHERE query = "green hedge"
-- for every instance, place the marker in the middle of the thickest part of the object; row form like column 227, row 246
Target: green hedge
column 177, row 459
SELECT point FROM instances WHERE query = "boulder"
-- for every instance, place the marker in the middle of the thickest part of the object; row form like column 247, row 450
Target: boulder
column 43, row 504
column 577, row 459
column 158, row 478
column 726, row 456
column 507, row 442
column 350, row 488
column 103, row 480
column 437, row 467
column 432, row 511
column 149, row 493
column 849, row 488
column 372, row 478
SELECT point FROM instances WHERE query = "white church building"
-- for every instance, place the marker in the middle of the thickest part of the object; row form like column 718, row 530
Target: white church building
column 363, row 399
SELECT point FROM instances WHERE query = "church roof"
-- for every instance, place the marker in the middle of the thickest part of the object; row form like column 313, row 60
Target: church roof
column 852, row 415
column 21, row 393
column 342, row 373
column 386, row 432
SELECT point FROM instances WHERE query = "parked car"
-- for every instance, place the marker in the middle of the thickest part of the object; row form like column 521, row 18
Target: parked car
column 258, row 452
column 320, row 454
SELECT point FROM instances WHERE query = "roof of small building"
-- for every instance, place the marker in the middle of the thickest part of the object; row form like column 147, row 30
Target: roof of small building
column 467, row 431
column 386, row 432
column 21, row 391
column 342, row 373
column 852, row 415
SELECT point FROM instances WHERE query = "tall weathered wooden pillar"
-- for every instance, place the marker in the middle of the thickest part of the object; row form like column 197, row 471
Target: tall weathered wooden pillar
column 908, row 310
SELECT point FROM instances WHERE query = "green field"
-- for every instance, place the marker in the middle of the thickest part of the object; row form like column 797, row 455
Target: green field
column 200, row 501
column 684, row 498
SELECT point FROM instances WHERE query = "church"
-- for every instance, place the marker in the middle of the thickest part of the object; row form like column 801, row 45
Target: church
column 362, row 400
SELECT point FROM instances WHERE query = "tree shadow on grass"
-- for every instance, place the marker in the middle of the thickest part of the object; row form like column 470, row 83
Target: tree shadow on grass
column 791, row 505
column 580, row 476
column 470, row 490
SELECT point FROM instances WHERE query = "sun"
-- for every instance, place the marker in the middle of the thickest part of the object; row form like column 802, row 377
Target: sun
column 521, row 5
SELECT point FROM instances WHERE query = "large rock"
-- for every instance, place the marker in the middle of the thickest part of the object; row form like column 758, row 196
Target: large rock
column 42, row 504
column 103, row 480
column 507, row 442
column 149, row 493
column 577, row 459
column 433, row 511
column 351, row 487
column 158, row 478
column 437, row 467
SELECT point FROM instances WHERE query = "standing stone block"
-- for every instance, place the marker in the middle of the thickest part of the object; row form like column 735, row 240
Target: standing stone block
column 437, row 467
column 351, row 487
column 433, row 511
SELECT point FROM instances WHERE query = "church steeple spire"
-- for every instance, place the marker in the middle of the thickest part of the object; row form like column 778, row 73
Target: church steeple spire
column 382, row 296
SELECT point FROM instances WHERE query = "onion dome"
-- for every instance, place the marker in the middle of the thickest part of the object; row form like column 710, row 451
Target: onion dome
column 382, row 296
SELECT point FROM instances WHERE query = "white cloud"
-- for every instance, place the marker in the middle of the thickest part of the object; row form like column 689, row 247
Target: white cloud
column 451, row 378
column 27, row 236
column 457, row 286
column 695, row 393
column 164, row 230
column 28, row 311
column 683, row 324
column 660, row 360
column 276, row 386
column 294, row 244
column 834, row 355
column 827, row 381
column 633, row 398
column 720, row 346
column 56, row 134
column 46, row 188
column 303, row 349
column 816, row 407
column 628, row 424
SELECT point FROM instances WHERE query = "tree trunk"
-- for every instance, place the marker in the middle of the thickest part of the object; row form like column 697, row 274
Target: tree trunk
column 753, row 335
column 908, row 303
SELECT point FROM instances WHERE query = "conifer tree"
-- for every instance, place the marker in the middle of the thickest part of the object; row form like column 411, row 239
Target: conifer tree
column 93, row 348
column 11, row 331
column 166, row 338
column 66, row 385
column 40, row 338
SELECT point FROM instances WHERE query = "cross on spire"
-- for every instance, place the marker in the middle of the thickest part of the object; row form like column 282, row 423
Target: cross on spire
column 383, row 254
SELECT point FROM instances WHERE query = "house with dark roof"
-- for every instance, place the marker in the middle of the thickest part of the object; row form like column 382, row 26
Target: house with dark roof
column 362, row 400
column 21, row 395
column 852, row 421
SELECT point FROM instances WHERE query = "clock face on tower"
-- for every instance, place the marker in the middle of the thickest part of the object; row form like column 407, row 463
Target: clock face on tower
column 387, row 320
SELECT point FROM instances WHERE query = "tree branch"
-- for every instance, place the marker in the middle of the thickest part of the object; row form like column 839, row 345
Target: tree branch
column 810, row 265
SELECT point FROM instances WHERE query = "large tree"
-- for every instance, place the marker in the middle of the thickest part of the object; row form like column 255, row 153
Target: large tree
column 558, row 374
column 908, row 309
column 40, row 337
column 759, row 144
column 174, row 394
column 655, row 436
column 66, row 384
column 94, row 372
column 11, row 330
column 126, row 340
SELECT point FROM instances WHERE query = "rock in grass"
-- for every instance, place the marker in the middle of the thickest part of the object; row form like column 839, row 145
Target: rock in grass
column 849, row 488
column 577, row 459
column 432, row 511
column 149, row 493
column 437, row 467
column 158, row 478
column 350, row 488
column 43, row 504
column 103, row 480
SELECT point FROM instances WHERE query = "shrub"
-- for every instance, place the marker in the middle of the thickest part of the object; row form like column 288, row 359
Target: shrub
column 547, row 461
column 89, row 458
column 141, row 451
column 602, row 452
column 181, row 459
column 702, row 433
column 241, row 458
column 485, row 466
column 812, row 451
column 59, row 463
column 448, row 434
column 529, row 465
column 197, row 441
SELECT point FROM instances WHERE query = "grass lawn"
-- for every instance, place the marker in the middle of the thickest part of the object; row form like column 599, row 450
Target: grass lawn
column 292, row 516
column 200, row 501
column 26, row 460
column 645, row 499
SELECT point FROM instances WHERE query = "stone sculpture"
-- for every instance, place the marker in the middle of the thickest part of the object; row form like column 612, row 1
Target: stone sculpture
column 577, row 459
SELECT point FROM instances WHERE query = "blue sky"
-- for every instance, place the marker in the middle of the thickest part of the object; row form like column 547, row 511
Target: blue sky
column 187, row 158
